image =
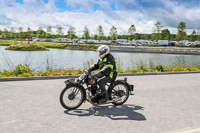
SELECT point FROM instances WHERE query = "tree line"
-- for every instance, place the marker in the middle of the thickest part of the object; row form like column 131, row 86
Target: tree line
column 159, row 33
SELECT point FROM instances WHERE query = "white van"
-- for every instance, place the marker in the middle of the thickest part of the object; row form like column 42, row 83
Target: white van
column 163, row 42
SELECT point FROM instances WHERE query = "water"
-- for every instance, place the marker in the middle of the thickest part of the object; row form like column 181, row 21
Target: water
column 61, row 59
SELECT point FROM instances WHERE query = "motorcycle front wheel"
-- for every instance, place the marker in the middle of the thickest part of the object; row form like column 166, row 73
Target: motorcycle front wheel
column 119, row 93
column 72, row 97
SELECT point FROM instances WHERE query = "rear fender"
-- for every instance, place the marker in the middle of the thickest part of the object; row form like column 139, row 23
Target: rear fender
column 130, row 86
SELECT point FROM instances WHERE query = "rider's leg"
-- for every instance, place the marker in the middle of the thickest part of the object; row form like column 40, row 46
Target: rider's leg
column 102, row 83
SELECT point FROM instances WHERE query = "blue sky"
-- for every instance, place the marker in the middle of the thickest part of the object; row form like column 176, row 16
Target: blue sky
column 91, row 13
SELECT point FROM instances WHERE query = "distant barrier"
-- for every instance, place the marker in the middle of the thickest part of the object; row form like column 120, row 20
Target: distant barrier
column 156, row 50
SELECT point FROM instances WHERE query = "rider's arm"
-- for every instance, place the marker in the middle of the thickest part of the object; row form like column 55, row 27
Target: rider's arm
column 95, row 67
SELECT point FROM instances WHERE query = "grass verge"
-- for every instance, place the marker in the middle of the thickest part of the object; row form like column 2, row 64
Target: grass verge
column 25, row 71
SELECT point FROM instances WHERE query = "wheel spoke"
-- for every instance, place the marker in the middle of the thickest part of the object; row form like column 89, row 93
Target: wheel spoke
column 72, row 97
column 120, row 92
column 76, row 91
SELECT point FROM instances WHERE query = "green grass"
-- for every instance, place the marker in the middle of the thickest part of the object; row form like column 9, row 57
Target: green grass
column 25, row 71
column 67, row 46
column 6, row 42
column 26, row 47
column 82, row 47
column 38, row 46
column 50, row 45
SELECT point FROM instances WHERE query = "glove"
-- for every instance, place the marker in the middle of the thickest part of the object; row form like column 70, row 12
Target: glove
column 96, row 75
column 89, row 70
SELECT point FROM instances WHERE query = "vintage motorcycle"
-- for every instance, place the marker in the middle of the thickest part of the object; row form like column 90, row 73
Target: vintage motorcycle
column 85, row 88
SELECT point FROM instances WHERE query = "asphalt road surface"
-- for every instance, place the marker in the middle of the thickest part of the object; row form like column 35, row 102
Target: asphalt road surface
column 161, row 104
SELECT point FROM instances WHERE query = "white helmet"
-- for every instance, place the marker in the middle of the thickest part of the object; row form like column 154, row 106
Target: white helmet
column 103, row 50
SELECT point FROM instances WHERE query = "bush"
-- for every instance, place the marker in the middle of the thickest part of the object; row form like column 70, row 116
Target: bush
column 6, row 73
column 160, row 68
column 142, row 68
column 22, row 69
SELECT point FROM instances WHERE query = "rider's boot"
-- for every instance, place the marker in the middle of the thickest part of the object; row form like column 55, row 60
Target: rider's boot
column 104, row 98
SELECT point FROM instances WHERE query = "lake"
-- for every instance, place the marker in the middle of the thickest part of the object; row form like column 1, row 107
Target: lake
column 62, row 58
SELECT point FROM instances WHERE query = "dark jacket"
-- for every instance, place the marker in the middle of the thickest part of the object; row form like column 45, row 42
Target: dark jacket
column 107, row 66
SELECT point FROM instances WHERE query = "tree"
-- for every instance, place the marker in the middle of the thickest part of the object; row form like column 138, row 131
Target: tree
column 193, row 36
column 173, row 37
column 71, row 32
column 49, row 32
column 181, row 35
column 60, row 32
column 165, row 34
column 0, row 33
column 157, row 30
column 198, row 34
column 21, row 35
column 29, row 33
column 40, row 33
column 146, row 36
column 181, row 27
column 95, row 37
column 113, row 33
column 100, row 33
column 86, row 33
column 131, row 31
column 136, row 36
column 12, row 33
column 5, row 33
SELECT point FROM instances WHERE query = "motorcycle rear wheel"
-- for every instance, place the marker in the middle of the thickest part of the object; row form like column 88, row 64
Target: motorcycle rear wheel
column 72, row 97
column 120, row 93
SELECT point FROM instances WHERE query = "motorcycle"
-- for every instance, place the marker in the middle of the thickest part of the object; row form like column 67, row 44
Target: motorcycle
column 85, row 88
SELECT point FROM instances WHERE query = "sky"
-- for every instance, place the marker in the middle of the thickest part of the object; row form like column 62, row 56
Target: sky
column 92, row 13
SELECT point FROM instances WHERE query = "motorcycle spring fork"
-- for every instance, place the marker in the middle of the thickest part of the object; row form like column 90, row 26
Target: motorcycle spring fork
column 88, row 97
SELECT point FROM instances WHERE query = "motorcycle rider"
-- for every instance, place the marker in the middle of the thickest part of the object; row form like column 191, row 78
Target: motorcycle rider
column 107, row 65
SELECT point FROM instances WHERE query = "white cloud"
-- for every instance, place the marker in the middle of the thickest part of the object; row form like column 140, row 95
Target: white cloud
column 37, row 14
column 172, row 13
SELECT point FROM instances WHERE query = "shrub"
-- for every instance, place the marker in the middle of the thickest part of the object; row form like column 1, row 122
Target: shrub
column 7, row 73
column 178, row 68
column 160, row 68
column 22, row 69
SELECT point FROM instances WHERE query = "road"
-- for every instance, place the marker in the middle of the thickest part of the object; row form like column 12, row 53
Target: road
column 161, row 104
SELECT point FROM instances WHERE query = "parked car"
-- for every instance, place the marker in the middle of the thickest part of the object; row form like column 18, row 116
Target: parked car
column 102, row 41
column 144, row 42
column 189, row 44
column 75, row 41
column 163, row 42
column 133, row 42
column 173, row 43
column 35, row 39
column 197, row 42
column 82, row 41
column 183, row 42
column 121, row 41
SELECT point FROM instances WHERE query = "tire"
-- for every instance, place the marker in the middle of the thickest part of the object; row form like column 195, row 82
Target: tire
column 120, row 90
column 69, row 95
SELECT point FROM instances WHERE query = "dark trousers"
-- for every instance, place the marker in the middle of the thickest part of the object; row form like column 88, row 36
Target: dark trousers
column 102, row 83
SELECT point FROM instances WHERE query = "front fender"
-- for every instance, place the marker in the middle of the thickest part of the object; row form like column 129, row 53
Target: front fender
column 69, row 84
